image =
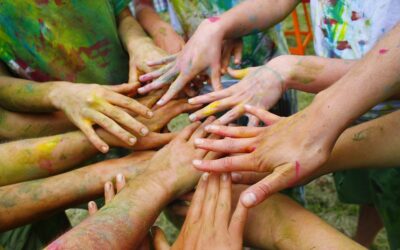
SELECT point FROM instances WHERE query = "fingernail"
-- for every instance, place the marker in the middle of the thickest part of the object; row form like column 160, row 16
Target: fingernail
column 120, row 178
column 160, row 102
column 108, row 186
column 204, row 177
column 132, row 140
column 236, row 177
column 191, row 101
column 192, row 117
column 144, row 131
column 91, row 204
column 247, row 106
column 224, row 176
column 210, row 128
column 198, row 141
column 150, row 113
column 104, row 149
column 140, row 90
column 249, row 199
column 197, row 162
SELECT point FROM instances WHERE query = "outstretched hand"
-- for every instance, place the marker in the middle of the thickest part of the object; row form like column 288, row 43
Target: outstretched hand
column 89, row 104
column 209, row 223
column 286, row 151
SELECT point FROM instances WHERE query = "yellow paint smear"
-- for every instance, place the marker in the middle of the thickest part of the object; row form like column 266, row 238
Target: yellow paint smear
column 46, row 148
column 211, row 109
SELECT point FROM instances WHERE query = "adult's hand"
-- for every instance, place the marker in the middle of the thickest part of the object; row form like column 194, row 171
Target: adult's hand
column 261, row 87
column 209, row 224
column 288, row 150
column 89, row 104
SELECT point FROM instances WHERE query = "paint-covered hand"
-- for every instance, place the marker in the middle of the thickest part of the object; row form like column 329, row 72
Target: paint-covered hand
column 201, row 53
column 231, row 48
column 288, row 150
column 261, row 86
column 89, row 104
column 209, row 224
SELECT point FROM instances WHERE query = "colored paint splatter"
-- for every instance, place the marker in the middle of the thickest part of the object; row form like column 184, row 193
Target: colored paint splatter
column 213, row 19
column 342, row 45
column 211, row 109
column 297, row 168
column 383, row 51
column 355, row 16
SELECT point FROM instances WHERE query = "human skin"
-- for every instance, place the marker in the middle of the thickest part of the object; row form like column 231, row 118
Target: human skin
column 263, row 86
column 162, row 33
column 204, row 49
column 124, row 222
column 25, row 202
column 209, row 224
column 41, row 157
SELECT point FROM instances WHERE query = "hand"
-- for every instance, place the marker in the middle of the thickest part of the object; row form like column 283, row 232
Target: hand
column 262, row 87
column 167, row 39
column 89, row 104
column 209, row 224
column 202, row 52
column 288, row 150
column 232, row 47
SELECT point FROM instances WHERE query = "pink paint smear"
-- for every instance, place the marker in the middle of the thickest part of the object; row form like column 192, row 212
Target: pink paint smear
column 213, row 19
column 383, row 51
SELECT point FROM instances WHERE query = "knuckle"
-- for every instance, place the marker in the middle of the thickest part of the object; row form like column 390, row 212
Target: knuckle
column 263, row 189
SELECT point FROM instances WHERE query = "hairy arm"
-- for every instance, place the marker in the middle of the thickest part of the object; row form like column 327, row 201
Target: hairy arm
column 28, row 201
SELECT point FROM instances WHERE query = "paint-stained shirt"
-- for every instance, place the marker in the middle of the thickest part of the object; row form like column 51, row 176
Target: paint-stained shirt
column 348, row 29
column 77, row 41
column 258, row 47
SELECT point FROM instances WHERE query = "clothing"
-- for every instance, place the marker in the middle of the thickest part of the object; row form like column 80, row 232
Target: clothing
column 75, row 41
column 348, row 30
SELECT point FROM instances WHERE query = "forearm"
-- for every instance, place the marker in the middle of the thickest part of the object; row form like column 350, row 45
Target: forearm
column 373, row 144
column 278, row 223
column 254, row 15
column 25, row 96
column 22, row 125
column 28, row 201
column 149, row 19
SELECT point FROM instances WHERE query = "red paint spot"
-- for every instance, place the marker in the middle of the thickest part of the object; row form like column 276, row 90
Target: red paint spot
column 297, row 170
column 342, row 45
column 46, row 165
column 355, row 16
column 383, row 51
column 96, row 50
column 213, row 19
column 330, row 21
column 58, row 2
column 54, row 246
column 296, row 177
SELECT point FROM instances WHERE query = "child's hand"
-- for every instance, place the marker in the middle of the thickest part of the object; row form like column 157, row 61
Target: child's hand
column 209, row 224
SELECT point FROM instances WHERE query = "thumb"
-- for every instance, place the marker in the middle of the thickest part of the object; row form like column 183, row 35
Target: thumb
column 216, row 77
column 238, row 73
column 133, row 75
column 159, row 240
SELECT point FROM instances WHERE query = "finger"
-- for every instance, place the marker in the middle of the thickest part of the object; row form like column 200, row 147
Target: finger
column 120, row 182
column 154, row 141
column 109, row 192
column 211, row 200
column 196, row 206
column 129, row 103
column 267, row 117
column 234, row 132
column 189, row 91
column 165, row 79
column 151, row 99
column 155, row 74
column 133, row 74
column 180, row 209
column 223, row 210
column 253, row 121
column 210, row 97
column 226, row 57
column 124, row 88
column 281, row 178
column 200, row 131
column 216, row 78
column 248, row 178
column 238, row 73
column 187, row 196
column 237, row 52
column 213, row 108
column 238, row 221
column 124, row 119
column 226, row 145
column 92, row 208
column 232, row 114
column 159, row 240
column 164, row 60
column 175, row 88
column 244, row 162
column 88, row 130
column 188, row 131
column 111, row 126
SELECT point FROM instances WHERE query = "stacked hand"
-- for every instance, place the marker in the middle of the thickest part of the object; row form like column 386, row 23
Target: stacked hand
column 209, row 223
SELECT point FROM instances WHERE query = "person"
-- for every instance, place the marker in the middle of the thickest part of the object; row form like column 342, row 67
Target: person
column 124, row 222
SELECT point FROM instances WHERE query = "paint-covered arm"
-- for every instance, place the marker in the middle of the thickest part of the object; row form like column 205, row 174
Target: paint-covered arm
column 163, row 34
column 140, row 47
column 28, row 201
column 124, row 222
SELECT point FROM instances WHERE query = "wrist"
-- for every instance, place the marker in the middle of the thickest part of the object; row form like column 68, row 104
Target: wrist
column 282, row 67
column 213, row 26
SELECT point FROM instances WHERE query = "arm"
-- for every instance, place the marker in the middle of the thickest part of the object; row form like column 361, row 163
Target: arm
column 28, row 201
column 161, row 32
column 35, row 158
column 124, row 222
